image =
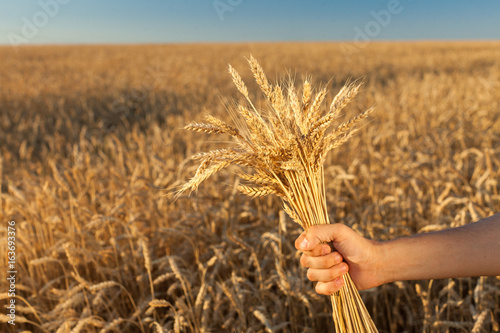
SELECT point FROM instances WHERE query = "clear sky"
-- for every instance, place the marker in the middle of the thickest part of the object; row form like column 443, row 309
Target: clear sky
column 172, row 21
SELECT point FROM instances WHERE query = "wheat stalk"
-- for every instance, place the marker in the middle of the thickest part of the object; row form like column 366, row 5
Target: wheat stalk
column 286, row 145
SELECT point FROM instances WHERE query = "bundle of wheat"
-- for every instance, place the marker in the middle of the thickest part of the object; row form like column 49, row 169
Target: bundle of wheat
column 285, row 146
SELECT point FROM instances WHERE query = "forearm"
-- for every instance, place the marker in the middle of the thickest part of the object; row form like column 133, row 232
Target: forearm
column 471, row 250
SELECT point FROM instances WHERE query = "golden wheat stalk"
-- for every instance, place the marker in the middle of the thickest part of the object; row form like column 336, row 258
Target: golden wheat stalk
column 286, row 145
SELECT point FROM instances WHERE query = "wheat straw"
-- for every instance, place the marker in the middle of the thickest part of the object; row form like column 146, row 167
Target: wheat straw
column 286, row 146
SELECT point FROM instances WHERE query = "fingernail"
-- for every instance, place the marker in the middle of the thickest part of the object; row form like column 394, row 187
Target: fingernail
column 304, row 244
column 325, row 250
column 337, row 258
column 339, row 281
column 343, row 269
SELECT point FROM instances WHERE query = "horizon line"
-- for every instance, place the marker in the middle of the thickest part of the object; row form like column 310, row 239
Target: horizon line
column 349, row 41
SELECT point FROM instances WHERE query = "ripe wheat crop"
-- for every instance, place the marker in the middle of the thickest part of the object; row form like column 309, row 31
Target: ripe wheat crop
column 92, row 139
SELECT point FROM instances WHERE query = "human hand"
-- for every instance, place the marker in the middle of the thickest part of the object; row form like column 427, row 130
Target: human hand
column 353, row 253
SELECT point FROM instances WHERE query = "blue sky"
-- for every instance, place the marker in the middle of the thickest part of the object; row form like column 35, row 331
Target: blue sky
column 173, row 21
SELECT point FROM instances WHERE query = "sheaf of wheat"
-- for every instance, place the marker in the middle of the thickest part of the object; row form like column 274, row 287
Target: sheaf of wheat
column 281, row 149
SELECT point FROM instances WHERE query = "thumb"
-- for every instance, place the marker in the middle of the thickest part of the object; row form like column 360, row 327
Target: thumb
column 318, row 234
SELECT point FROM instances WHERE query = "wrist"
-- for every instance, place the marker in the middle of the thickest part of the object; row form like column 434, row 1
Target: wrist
column 383, row 264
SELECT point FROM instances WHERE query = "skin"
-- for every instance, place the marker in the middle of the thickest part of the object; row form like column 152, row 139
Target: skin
column 470, row 250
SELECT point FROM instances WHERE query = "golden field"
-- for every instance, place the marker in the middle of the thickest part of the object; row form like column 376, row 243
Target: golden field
column 92, row 147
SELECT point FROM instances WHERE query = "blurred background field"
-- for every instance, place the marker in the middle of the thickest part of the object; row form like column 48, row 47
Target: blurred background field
column 92, row 145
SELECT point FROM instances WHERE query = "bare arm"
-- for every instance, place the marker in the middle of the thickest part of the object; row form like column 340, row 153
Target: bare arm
column 470, row 250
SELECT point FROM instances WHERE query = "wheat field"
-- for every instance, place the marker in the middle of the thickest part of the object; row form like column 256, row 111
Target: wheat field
column 92, row 144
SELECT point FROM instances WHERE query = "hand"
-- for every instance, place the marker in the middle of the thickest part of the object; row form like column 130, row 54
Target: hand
column 353, row 253
column 469, row 250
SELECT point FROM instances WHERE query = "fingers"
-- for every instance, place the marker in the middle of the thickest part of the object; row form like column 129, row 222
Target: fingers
column 331, row 287
column 319, row 250
column 299, row 240
column 318, row 234
column 321, row 261
column 325, row 266
column 327, row 275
